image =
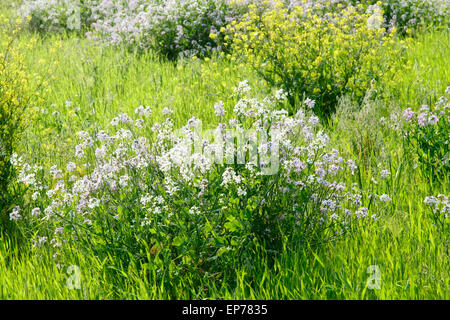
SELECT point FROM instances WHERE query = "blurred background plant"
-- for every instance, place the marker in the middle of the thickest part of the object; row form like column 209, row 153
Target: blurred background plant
column 56, row 15
column 426, row 134
column 411, row 16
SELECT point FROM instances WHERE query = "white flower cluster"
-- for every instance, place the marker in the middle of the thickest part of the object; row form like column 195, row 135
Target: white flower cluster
column 53, row 15
column 439, row 203
column 180, row 27
column 426, row 118
column 154, row 174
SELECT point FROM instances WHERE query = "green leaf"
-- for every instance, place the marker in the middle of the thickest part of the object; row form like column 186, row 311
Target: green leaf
column 178, row 241
column 233, row 224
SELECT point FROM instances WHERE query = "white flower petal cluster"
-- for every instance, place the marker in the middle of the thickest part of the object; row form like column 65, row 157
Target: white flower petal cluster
column 264, row 153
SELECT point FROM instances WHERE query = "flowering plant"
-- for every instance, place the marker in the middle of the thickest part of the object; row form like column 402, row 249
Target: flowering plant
column 427, row 133
column 56, row 15
column 439, row 208
column 321, row 52
column 409, row 15
column 192, row 199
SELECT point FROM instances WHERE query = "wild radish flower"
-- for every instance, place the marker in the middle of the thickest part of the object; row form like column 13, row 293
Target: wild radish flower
column 59, row 230
column 219, row 109
column 115, row 121
column 42, row 240
column 280, row 95
column 431, row 200
column 229, row 176
column 56, row 173
column 143, row 111
column 79, row 152
column 310, row 103
column 384, row 174
column 321, row 172
column 124, row 118
column 385, row 198
column 50, row 193
column 123, row 180
column 158, row 175
column 314, row 120
column 352, row 165
column 60, row 185
column 15, row 160
column 82, row 135
column 408, row 114
column 194, row 210
column 54, row 243
column 433, row 119
column 241, row 192
column 139, row 123
column 102, row 136
column 71, row 167
column 88, row 142
column 14, row 215
column 422, row 119
column 242, row 88
column 361, row 212
column 36, row 212
column 100, row 153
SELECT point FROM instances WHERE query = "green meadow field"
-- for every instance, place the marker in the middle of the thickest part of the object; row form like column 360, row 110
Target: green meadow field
column 99, row 203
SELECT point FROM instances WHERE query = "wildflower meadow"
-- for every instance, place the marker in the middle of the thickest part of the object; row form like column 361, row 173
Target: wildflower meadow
column 227, row 149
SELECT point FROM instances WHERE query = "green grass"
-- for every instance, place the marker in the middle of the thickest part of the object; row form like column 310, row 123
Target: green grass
column 103, row 82
column 428, row 72
column 411, row 253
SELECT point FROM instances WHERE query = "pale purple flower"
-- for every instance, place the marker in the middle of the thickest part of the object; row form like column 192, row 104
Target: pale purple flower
column 384, row 173
column 36, row 212
column 14, row 215
column 422, row 119
column 310, row 103
column 219, row 109
column 408, row 114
